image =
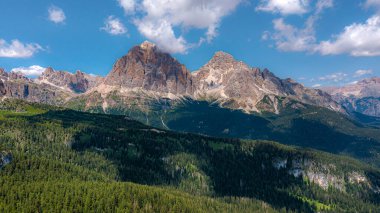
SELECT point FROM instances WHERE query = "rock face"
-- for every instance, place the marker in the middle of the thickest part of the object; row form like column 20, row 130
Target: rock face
column 15, row 85
column 323, row 175
column 235, row 84
column 146, row 67
column 77, row 83
column 362, row 97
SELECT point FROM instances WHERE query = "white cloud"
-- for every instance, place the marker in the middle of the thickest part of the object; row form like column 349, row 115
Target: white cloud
column 127, row 5
column 56, row 15
column 32, row 71
column 316, row 85
column 285, row 7
column 158, row 20
column 17, row 49
column 335, row 77
column 360, row 73
column 162, row 33
column 114, row 26
column 358, row 39
column 288, row 37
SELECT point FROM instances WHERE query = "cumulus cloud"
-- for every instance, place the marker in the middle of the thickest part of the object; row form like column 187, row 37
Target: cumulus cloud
column 56, row 15
column 288, row 37
column 127, row 5
column 358, row 39
column 285, row 7
column 162, row 33
column 32, row 71
column 360, row 73
column 114, row 26
column 17, row 49
column 160, row 20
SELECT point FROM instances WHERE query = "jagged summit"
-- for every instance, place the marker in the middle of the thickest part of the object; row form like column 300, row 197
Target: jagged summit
column 148, row 45
column 220, row 55
column 237, row 85
column 77, row 83
column 48, row 70
column 144, row 67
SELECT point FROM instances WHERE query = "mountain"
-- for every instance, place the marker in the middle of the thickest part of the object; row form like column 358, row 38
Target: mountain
column 238, row 86
column 59, row 159
column 146, row 67
column 362, row 96
column 75, row 83
column 15, row 85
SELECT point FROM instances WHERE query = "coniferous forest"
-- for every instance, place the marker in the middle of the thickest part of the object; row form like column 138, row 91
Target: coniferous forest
column 58, row 160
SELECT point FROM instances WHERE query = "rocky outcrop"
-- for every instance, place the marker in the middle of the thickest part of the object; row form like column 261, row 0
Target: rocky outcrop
column 148, row 68
column 15, row 85
column 362, row 97
column 236, row 85
column 323, row 175
column 76, row 83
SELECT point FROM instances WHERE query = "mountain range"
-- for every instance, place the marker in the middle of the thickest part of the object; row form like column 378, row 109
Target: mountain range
column 150, row 73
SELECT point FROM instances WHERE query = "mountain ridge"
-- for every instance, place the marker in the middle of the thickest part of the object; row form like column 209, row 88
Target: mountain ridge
column 362, row 96
column 147, row 71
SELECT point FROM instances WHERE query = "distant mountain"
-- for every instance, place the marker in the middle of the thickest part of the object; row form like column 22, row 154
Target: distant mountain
column 362, row 97
column 76, row 83
column 15, row 85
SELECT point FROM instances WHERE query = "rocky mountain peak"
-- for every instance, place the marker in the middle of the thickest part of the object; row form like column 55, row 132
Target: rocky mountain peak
column 237, row 85
column 2, row 71
column 146, row 68
column 77, row 83
column 222, row 56
column 48, row 71
column 147, row 45
column 374, row 80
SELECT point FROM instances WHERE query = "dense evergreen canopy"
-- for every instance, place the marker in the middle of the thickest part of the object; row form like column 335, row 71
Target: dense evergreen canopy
column 74, row 161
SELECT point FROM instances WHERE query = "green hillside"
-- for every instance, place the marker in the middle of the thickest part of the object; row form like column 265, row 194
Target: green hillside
column 53, row 158
column 310, row 126
column 305, row 126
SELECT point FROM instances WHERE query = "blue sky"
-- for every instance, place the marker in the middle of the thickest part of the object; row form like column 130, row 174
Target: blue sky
column 316, row 42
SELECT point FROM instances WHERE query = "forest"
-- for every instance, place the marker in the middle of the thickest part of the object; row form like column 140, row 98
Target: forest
column 53, row 159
